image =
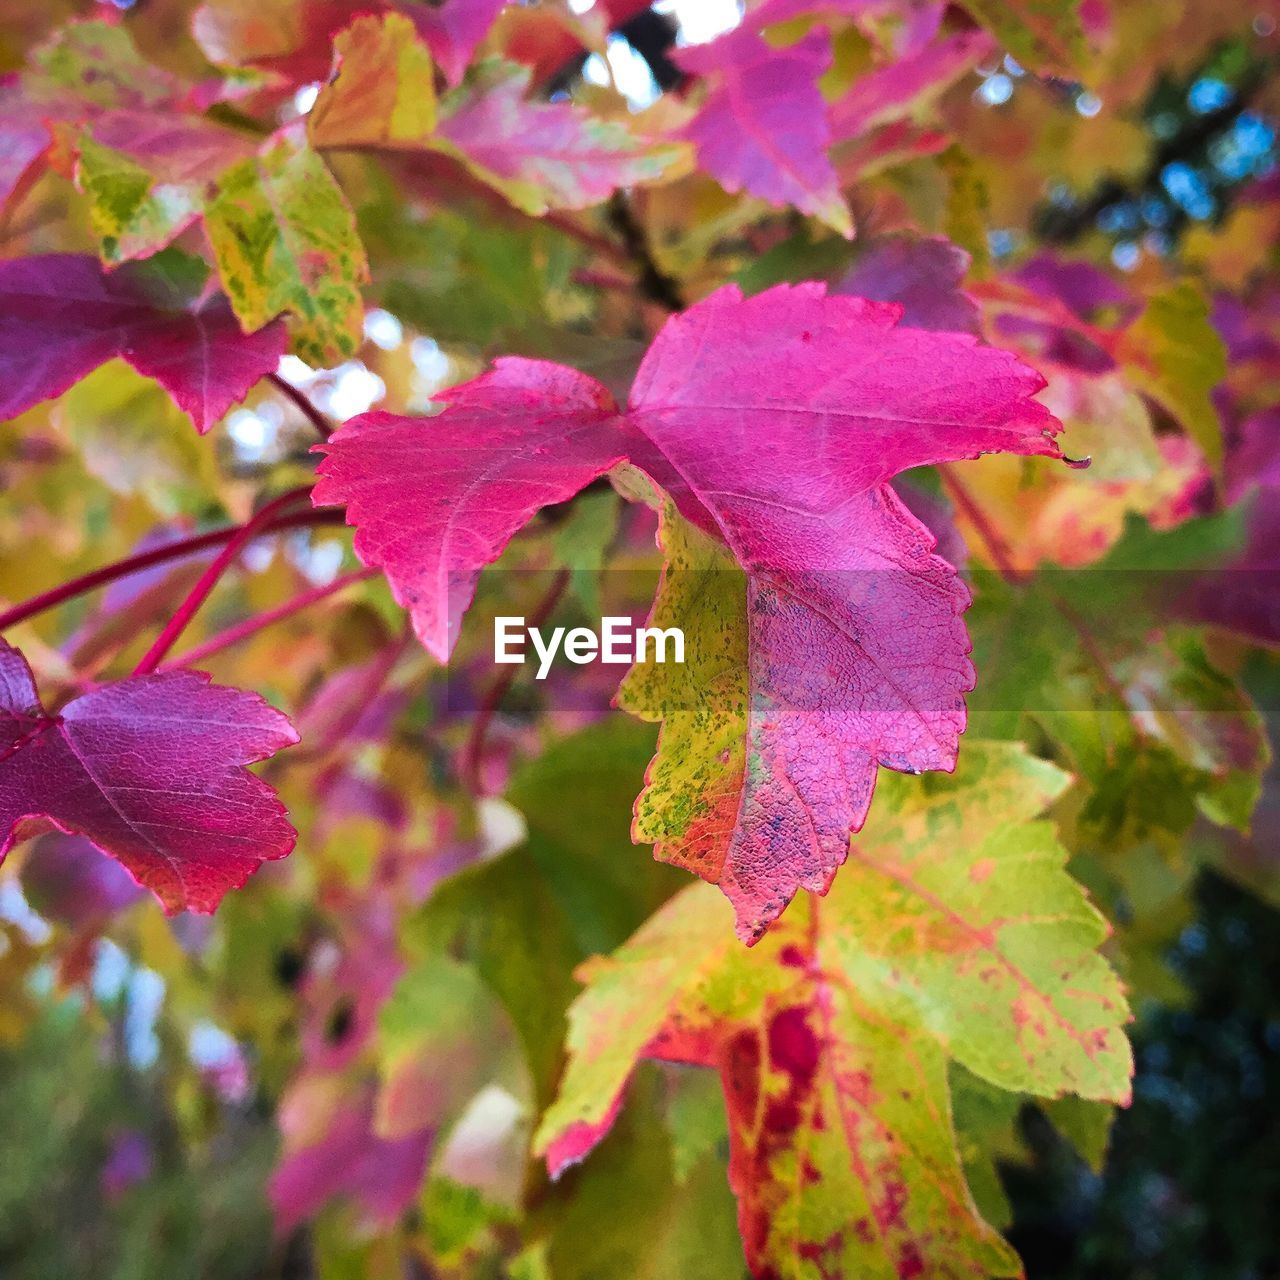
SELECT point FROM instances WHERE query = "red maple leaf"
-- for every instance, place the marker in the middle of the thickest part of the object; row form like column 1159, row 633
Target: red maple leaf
column 775, row 424
column 151, row 770
column 62, row 315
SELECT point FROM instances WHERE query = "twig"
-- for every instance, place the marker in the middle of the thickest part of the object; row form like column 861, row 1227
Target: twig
column 569, row 226
column 602, row 280
column 87, row 582
column 209, row 579
column 473, row 751
column 659, row 286
column 259, row 621
column 999, row 550
column 309, row 411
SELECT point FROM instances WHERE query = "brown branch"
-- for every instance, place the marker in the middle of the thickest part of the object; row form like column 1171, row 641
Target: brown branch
column 654, row 282
column 303, row 402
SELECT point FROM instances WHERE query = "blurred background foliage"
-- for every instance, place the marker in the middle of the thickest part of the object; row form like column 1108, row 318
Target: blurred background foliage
column 336, row 1076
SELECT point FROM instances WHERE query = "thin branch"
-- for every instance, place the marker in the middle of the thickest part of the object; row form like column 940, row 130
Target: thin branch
column 473, row 751
column 260, row 621
column 999, row 550
column 602, row 280
column 209, row 579
column 656, row 284
column 87, row 582
column 572, row 227
column 309, row 411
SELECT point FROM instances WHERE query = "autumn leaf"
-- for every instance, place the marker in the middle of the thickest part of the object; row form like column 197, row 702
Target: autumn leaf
column 331, row 1150
column 382, row 89
column 772, row 139
column 940, row 937
column 524, row 436
column 774, row 423
column 62, row 315
column 924, row 1017
column 539, row 155
column 151, row 770
column 454, row 30
column 1043, row 35
column 543, row 155
column 289, row 39
column 832, row 1036
column 922, row 273
column 85, row 70
column 899, row 89
column 284, row 239
column 145, row 176
column 1173, row 353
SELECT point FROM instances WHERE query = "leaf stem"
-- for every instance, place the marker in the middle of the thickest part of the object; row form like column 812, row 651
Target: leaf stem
column 109, row 573
column 209, row 579
column 473, row 751
column 999, row 550
column 242, row 630
column 303, row 402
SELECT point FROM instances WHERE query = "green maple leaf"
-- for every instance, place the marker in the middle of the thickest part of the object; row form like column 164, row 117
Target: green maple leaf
column 285, row 239
column 1043, row 35
column 953, row 933
column 1174, row 354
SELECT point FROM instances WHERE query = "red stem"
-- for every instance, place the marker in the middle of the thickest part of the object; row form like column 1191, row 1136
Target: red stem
column 209, row 579
column 1002, row 557
column 999, row 550
column 233, row 635
column 309, row 411
column 474, row 749
column 145, row 559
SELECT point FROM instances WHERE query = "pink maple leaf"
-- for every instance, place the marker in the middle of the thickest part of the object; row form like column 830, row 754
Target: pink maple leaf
column 454, row 30
column 62, row 315
column 775, row 424
column 922, row 273
column 763, row 126
column 893, row 91
column 150, row 769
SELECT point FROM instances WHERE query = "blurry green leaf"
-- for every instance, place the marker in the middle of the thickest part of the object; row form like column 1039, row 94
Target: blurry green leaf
column 1174, row 354
column 576, row 886
column 695, row 1118
column 1043, row 35
column 582, row 542
column 457, row 1221
column 464, row 279
column 986, row 1131
column 136, row 440
column 627, row 1214
column 442, row 1036
column 97, row 63
column 1084, row 1124
column 285, row 240
column 606, row 884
